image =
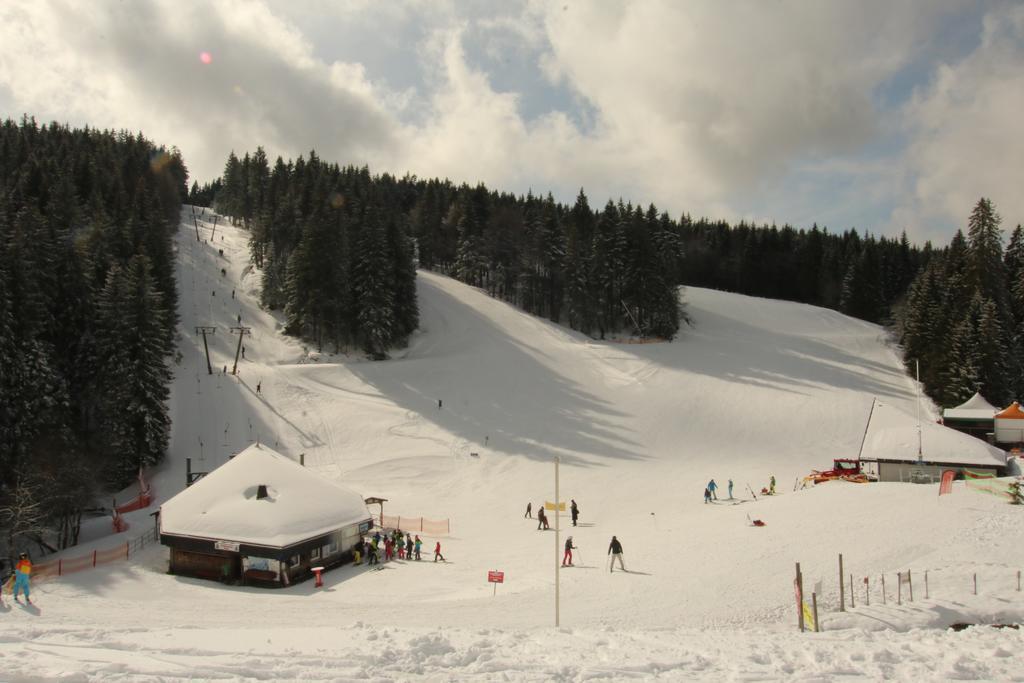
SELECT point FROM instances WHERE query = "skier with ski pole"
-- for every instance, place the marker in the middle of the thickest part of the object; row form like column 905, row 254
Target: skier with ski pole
column 22, row 571
column 615, row 550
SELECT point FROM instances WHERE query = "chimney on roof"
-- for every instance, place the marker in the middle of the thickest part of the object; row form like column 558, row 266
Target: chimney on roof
column 261, row 491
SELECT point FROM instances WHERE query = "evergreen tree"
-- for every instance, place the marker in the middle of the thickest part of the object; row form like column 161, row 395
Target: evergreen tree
column 135, row 372
column 372, row 284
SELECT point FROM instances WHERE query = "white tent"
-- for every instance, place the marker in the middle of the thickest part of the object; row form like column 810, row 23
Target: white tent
column 892, row 440
column 974, row 408
column 299, row 504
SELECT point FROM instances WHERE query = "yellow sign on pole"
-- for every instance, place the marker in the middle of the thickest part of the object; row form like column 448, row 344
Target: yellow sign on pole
column 808, row 615
column 548, row 505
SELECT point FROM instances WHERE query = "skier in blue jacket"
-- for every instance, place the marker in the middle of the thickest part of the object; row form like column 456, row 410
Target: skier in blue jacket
column 712, row 486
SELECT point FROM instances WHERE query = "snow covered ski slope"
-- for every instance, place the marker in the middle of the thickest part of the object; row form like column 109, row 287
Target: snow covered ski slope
column 464, row 424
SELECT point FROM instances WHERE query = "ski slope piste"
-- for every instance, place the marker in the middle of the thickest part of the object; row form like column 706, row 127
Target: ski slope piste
column 465, row 423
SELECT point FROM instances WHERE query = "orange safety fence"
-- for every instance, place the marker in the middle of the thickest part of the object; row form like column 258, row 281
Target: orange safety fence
column 70, row 565
column 428, row 527
column 140, row 501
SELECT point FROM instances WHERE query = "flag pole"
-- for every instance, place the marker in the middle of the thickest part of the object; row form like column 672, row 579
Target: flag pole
column 557, row 565
column 917, row 367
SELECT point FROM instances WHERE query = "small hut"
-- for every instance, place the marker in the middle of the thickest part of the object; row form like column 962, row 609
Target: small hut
column 975, row 416
column 261, row 518
column 1009, row 425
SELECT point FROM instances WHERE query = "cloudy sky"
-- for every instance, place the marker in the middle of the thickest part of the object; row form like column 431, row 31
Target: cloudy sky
column 878, row 115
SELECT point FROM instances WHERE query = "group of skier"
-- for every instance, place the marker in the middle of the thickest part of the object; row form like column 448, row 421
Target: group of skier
column 711, row 491
column 395, row 545
column 542, row 517
column 614, row 548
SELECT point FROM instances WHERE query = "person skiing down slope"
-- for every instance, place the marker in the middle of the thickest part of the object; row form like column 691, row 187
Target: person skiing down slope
column 730, row 489
column 713, row 487
column 567, row 558
column 22, row 571
column 575, row 512
column 615, row 550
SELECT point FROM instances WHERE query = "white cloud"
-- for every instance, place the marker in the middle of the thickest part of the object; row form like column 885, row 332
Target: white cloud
column 137, row 66
column 967, row 129
column 715, row 108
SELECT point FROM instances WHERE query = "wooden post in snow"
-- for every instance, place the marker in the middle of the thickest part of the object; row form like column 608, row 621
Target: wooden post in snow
column 814, row 601
column 883, row 589
column 853, row 601
column 899, row 588
column 798, row 584
column 910, row 585
column 842, row 595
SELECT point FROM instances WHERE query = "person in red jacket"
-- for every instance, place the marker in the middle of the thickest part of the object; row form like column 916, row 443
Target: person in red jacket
column 22, row 571
column 437, row 552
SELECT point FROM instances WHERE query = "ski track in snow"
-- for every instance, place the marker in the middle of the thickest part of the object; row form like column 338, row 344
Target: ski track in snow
column 755, row 388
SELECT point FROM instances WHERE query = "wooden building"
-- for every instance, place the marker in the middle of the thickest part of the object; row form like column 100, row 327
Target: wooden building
column 899, row 448
column 261, row 518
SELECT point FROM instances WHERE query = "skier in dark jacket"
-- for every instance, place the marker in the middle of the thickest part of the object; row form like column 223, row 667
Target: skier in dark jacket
column 707, row 495
column 542, row 519
column 615, row 550
column 575, row 510
column 567, row 558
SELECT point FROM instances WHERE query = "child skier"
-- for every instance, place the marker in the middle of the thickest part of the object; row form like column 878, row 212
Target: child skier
column 529, row 509
column 771, row 486
column 542, row 519
column 707, row 495
column 567, row 558
column 408, row 546
column 418, row 545
column 437, row 552
column 22, row 571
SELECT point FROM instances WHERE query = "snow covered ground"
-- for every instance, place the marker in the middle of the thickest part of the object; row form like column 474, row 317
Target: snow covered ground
column 755, row 388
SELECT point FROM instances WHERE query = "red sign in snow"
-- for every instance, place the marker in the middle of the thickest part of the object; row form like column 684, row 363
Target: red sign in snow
column 496, row 577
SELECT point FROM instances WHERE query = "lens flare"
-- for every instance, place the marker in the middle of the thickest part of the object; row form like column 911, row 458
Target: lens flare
column 205, row 57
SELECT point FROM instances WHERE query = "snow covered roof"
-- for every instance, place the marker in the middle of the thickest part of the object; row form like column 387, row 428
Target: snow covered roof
column 300, row 504
column 892, row 435
column 974, row 408
column 1012, row 412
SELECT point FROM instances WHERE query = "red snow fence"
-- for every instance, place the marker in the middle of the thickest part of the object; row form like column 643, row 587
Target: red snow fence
column 70, row 565
column 141, row 501
column 428, row 527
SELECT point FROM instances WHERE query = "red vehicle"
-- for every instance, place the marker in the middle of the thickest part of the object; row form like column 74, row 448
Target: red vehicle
column 842, row 468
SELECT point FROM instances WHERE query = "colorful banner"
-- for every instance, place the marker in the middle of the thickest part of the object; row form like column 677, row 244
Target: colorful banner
column 946, row 485
column 986, row 482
